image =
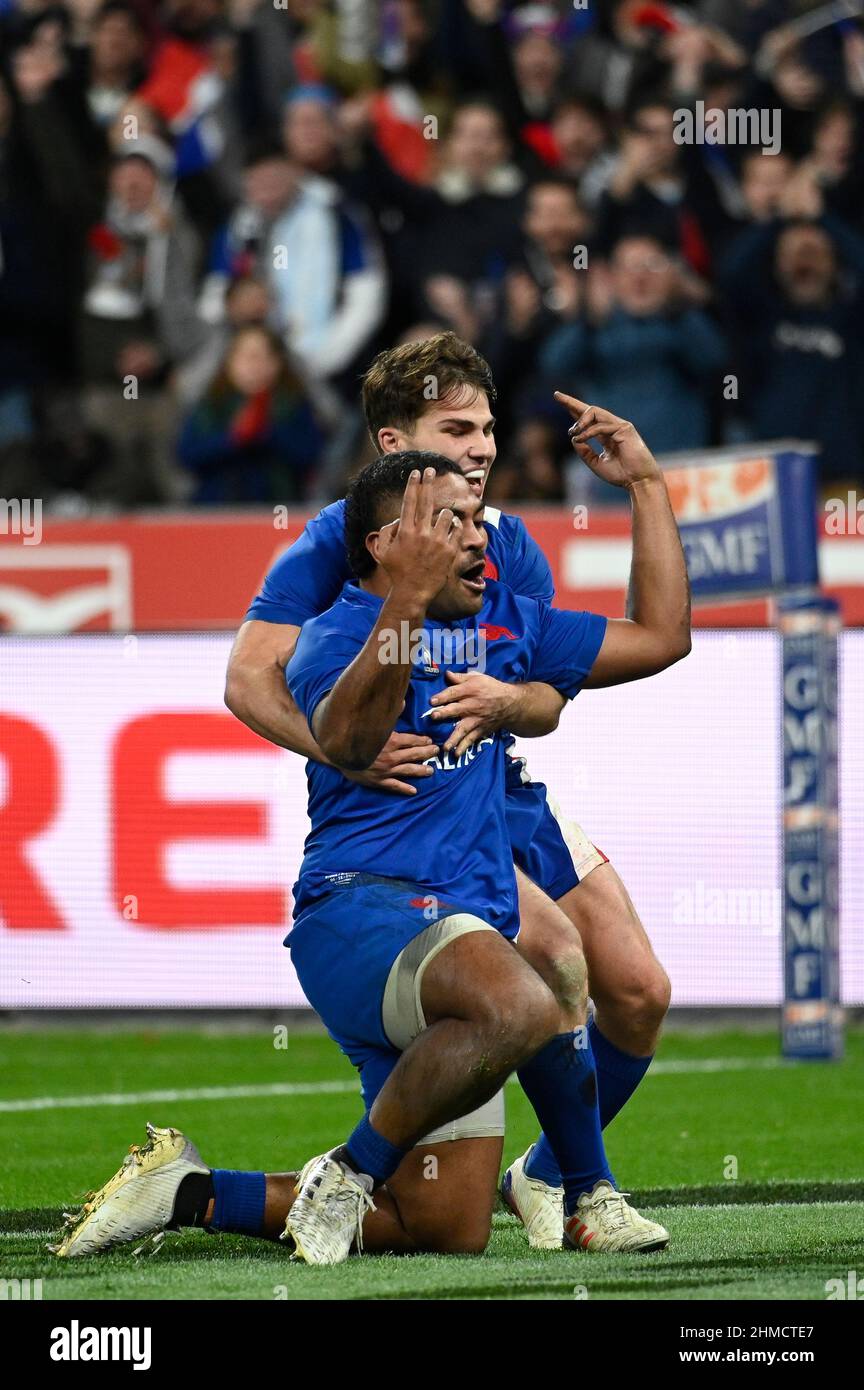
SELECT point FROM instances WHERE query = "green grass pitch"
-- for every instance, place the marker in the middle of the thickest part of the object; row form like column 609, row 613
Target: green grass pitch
column 792, row 1219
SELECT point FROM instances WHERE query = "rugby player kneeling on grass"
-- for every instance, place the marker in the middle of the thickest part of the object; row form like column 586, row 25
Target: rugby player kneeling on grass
column 435, row 1015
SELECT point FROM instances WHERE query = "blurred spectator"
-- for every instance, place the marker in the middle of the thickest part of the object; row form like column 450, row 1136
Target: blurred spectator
column 763, row 180
column 647, row 356
column 795, row 293
column 137, row 317
column 542, row 290
column 317, row 255
column 247, row 303
column 273, row 49
column 309, row 129
column 580, row 147
column 340, row 171
column 533, row 468
column 110, row 59
column 22, row 301
column 326, row 276
column 254, row 436
column 657, row 187
column 188, row 88
column 55, row 176
column 556, row 230
column 836, row 158
column 480, row 187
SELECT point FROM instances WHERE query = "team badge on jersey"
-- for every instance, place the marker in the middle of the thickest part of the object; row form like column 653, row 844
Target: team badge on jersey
column 428, row 666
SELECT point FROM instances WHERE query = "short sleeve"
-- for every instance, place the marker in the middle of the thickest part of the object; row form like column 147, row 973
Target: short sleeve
column 308, row 577
column 319, row 658
column 525, row 568
column 567, row 648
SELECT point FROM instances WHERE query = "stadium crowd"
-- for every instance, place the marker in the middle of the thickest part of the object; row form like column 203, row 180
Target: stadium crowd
column 214, row 212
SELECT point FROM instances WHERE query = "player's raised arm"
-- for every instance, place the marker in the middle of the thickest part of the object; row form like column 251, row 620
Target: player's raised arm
column 354, row 721
column 657, row 632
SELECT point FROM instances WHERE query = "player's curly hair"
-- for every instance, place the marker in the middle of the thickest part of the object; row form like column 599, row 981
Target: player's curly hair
column 382, row 480
column 403, row 381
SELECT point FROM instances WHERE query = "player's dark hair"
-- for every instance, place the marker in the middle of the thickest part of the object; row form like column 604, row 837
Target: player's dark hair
column 382, row 480
column 396, row 388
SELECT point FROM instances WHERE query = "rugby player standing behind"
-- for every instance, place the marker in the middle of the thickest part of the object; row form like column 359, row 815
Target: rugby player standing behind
column 438, row 395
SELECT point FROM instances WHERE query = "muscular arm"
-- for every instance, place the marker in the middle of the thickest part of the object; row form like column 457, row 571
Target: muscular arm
column 255, row 689
column 256, row 693
column 354, row 721
column 657, row 632
column 535, row 709
column 481, row 704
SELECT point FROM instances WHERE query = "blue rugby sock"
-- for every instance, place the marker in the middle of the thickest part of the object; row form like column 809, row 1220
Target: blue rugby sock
column 618, row 1075
column 542, row 1163
column 238, row 1203
column 561, row 1084
column 367, row 1151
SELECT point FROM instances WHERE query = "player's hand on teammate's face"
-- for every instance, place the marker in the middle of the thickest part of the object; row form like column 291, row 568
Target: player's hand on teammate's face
column 626, row 458
column 403, row 755
column 480, row 705
column 418, row 550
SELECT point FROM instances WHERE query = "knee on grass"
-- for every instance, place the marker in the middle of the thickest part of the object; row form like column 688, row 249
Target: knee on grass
column 462, row 1233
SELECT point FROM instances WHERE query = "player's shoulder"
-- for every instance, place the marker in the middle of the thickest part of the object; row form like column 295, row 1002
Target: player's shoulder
column 502, row 602
column 507, row 533
column 337, row 618
column 324, row 530
column 353, row 610
column 331, row 517
column 504, row 524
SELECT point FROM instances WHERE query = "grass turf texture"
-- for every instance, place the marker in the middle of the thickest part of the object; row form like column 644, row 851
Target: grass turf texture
column 793, row 1219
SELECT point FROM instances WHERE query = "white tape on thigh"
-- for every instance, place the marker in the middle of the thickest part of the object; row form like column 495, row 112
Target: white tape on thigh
column 585, row 856
column 401, row 1009
column 486, row 1122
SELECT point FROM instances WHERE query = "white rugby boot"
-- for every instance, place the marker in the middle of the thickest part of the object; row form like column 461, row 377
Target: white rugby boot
column 538, row 1206
column 327, row 1216
column 139, row 1199
column 604, row 1221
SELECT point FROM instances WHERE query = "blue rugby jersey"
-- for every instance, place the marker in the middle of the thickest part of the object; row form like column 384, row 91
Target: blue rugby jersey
column 308, row 577
column 451, row 839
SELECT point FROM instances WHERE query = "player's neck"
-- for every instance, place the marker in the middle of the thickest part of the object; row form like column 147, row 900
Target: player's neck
column 377, row 583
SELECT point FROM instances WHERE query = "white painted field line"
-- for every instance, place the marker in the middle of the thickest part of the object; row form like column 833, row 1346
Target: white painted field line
column 323, row 1088
column 703, row 1064
column 277, row 1088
